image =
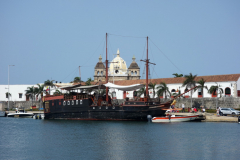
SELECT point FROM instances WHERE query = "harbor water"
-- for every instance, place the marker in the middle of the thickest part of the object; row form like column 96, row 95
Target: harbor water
column 26, row 138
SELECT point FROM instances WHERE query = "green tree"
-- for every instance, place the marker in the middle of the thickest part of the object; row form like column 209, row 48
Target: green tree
column 153, row 86
column 32, row 91
column 216, row 90
column 177, row 75
column 201, row 85
column 57, row 92
column 190, row 83
column 76, row 80
column 48, row 83
column 141, row 91
column 163, row 88
column 88, row 82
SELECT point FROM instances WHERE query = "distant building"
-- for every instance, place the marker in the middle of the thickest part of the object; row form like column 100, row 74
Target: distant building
column 117, row 70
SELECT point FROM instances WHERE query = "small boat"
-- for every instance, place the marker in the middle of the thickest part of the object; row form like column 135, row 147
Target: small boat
column 173, row 118
column 20, row 113
column 2, row 114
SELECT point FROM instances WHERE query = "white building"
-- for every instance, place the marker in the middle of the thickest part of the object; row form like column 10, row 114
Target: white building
column 17, row 92
column 230, row 85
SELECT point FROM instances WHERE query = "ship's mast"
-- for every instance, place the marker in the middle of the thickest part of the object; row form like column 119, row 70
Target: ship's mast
column 147, row 62
column 106, row 71
column 147, row 70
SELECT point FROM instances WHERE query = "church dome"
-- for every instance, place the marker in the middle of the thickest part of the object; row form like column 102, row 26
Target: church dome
column 118, row 66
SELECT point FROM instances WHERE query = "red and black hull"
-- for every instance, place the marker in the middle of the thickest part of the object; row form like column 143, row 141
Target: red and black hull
column 84, row 110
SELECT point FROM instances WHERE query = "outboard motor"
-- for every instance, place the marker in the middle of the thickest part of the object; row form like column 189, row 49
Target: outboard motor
column 149, row 117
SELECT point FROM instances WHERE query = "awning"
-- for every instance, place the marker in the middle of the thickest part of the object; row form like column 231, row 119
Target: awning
column 125, row 88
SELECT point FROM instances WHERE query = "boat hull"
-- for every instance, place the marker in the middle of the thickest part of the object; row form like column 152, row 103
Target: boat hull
column 20, row 115
column 82, row 110
column 174, row 119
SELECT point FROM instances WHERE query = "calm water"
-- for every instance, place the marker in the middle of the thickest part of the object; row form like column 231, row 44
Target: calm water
column 25, row 138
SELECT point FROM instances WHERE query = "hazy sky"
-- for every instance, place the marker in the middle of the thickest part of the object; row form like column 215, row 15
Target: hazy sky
column 49, row 39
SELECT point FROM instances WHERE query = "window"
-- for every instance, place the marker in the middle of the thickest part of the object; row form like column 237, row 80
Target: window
column 132, row 73
column 227, row 91
column 173, row 90
column 97, row 72
column 200, row 91
column 135, row 72
column 20, row 95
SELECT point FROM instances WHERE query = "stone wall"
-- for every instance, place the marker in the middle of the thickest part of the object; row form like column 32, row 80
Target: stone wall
column 20, row 104
column 210, row 103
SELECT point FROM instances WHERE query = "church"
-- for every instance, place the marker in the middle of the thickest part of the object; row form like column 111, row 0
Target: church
column 117, row 70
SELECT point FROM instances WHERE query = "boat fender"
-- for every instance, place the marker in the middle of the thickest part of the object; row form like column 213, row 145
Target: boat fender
column 238, row 119
column 149, row 117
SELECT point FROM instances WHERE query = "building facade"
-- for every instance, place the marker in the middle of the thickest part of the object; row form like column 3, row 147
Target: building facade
column 117, row 70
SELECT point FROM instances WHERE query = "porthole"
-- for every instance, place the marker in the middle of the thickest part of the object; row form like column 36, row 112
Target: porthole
column 113, row 107
column 76, row 102
column 72, row 102
column 93, row 108
column 106, row 107
column 68, row 103
column 64, row 103
column 80, row 101
column 99, row 107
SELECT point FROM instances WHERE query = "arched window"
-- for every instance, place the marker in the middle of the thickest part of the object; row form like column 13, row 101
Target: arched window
column 97, row 72
column 132, row 73
column 227, row 91
column 101, row 72
column 173, row 90
column 135, row 72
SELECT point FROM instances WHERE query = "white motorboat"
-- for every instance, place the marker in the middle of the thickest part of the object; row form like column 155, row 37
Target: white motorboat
column 173, row 118
column 20, row 113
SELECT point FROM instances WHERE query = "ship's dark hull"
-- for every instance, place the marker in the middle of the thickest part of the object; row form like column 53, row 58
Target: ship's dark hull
column 83, row 110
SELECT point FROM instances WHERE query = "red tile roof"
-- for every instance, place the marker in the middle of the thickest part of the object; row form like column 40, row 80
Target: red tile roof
column 212, row 78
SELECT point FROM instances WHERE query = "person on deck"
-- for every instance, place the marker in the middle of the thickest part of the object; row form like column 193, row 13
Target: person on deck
column 183, row 107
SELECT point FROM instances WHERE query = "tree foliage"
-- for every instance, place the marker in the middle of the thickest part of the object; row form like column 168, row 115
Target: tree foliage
column 88, row 82
column 177, row 75
column 215, row 90
column 163, row 88
column 153, row 87
column 76, row 80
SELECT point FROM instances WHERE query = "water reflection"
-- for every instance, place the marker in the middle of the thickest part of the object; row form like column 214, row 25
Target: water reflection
column 60, row 139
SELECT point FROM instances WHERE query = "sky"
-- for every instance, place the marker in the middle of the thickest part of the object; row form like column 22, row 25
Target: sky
column 50, row 39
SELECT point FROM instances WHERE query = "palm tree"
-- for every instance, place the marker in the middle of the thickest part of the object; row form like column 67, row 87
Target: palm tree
column 76, row 80
column 48, row 83
column 32, row 91
column 57, row 92
column 163, row 89
column 141, row 91
column 201, row 83
column 88, row 82
column 177, row 75
column 190, row 83
column 215, row 90
column 153, row 87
